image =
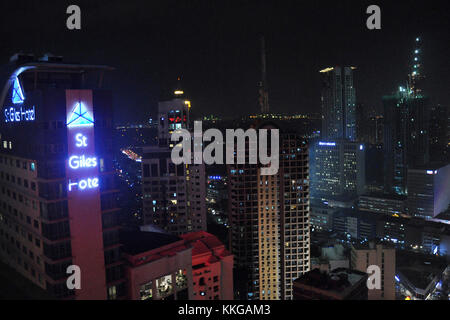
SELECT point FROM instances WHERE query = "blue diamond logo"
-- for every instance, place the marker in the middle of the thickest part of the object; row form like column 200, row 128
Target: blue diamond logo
column 17, row 93
column 80, row 117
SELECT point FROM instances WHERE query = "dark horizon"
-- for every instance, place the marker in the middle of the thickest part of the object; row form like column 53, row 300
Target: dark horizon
column 214, row 47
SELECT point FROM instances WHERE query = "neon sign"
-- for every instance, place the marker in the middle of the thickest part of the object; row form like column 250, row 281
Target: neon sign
column 76, row 162
column 19, row 112
column 89, row 183
column 82, row 164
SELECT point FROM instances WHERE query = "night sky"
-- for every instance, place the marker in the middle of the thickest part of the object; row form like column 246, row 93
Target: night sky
column 214, row 46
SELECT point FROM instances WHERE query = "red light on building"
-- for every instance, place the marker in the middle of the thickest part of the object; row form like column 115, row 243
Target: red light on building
column 212, row 267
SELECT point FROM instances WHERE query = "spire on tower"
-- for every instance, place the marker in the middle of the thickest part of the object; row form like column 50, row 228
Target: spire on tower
column 416, row 75
column 178, row 92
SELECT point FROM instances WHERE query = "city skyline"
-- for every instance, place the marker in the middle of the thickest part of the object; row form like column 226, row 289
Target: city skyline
column 112, row 189
column 215, row 49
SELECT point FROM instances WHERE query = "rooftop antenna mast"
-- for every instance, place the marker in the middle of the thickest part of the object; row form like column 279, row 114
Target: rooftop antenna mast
column 263, row 93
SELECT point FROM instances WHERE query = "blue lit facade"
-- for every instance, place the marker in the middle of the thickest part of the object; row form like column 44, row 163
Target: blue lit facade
column 337, row 169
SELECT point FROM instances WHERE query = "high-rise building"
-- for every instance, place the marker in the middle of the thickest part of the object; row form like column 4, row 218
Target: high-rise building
column 58, row 196
column 428, row 190
column 269, row 220
column 382, row 256
column 338, row 103
column 174, row 196
column 337, row 169
column 406, row 127
column 405, row 137
column 173, row 114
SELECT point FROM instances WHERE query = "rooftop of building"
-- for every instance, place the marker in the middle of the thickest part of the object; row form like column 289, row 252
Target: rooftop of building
column 419, row 268
column 339, row 281
column 46, row 62
column 135, row 242
column 203, row 242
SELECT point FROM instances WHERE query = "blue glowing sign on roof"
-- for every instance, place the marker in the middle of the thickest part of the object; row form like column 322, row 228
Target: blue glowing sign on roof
column 18, row 112
column 80, row 117
column 17, row 92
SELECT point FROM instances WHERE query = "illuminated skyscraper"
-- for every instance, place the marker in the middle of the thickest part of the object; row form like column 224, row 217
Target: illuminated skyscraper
column 337, row 169
column 174, row 196
column 406, row 128
column 428, row 190
column 58, row 197
column 338, row 103
column 269, row 219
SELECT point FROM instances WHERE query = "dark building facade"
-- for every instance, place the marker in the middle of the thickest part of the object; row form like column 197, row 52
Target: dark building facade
column 338, row 103
column 406, row 119
column 439, row 133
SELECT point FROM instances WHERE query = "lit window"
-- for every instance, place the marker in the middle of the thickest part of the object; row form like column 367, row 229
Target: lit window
column 146, row 291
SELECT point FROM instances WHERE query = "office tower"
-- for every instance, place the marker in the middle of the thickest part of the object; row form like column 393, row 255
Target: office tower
column 337, row 169
column 339, row 284
column 439, row 133
column 405, row 137
column 173, row 195
column 212, row 267
column 58, row 199
column 269, row 220
column 428, row 190
column 406, row 128
column 173, row 114
column 382, row 256
column 338, row 103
